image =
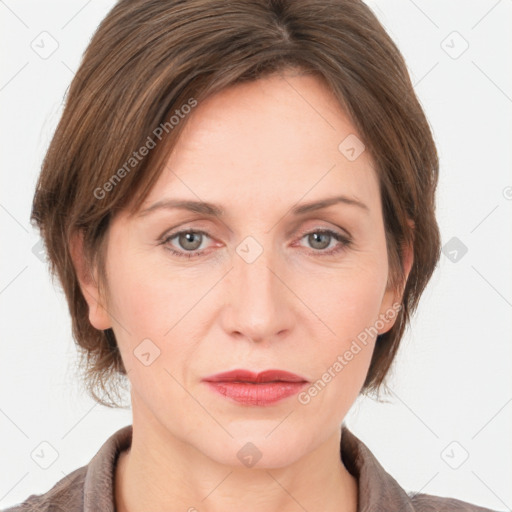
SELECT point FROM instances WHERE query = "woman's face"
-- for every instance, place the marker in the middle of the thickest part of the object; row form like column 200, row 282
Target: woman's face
column 259, row 286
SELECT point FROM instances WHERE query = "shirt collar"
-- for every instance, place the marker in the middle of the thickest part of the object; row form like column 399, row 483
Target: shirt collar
column 377, row 489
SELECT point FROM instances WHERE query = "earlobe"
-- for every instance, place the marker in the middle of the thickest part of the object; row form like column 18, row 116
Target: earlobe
column 407, row 259
column 87, row 278
column 392, row 300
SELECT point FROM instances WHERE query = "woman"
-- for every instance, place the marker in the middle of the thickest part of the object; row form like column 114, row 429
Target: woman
column 239, row 204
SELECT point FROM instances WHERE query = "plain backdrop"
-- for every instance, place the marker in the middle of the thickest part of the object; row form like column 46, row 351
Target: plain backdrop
column 446, row 429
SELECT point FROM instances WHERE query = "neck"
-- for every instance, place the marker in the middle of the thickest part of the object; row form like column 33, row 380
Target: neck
column 162, row 472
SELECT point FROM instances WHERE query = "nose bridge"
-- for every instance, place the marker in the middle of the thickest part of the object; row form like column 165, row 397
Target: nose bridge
column 253, row 263
column 258, row 295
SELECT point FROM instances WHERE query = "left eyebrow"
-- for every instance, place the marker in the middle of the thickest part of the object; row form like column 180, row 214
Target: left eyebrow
column 325, row 203
column 214, row 210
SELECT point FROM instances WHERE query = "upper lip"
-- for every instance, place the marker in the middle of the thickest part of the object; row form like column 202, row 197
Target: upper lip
column 249, row 376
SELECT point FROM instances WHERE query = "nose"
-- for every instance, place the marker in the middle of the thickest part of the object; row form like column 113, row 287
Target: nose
column 260, row 305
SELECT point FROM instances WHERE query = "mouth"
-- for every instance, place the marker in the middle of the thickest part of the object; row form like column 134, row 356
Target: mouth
column 256, row 389
column 250, row 377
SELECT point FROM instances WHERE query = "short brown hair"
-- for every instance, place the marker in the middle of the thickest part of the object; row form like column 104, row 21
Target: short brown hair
column 148, row 59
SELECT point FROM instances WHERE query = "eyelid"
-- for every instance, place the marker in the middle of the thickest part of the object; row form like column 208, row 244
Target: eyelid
column 337, row 229
column 173, row 234
column 344, row 241
column 303, row 231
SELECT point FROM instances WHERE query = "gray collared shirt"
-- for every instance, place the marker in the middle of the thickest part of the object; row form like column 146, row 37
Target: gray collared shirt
column 90, row 488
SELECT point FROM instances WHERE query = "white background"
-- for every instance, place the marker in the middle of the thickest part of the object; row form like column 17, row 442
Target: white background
column 452, row 379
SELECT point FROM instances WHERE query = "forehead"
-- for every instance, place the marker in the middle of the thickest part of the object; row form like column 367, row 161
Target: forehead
column 274, row 141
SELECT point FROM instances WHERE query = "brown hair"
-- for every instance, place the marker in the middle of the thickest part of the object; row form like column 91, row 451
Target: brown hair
column 149, row 59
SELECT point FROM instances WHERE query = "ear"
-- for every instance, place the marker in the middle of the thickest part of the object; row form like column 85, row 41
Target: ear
column 87, row 278
column 392, row 298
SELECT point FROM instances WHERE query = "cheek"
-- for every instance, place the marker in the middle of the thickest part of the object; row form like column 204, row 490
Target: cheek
column 151, row 307
column 348, row 300
column 347, row 307
column 136, row 298
column 342, row 357
column 142, row 291
column 140, row 305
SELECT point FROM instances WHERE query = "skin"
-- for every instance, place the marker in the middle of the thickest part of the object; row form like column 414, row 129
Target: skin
column 255, row 149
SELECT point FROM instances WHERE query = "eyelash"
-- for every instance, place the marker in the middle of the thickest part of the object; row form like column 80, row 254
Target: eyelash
column 344, row 241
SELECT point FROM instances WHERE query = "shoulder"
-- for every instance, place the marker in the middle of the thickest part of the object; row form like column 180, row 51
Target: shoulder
column 65, row 496
column 89, row 487
column 379, row 491
column 430, row 503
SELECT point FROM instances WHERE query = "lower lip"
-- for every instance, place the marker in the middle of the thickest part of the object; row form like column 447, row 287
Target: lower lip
column 257, row 394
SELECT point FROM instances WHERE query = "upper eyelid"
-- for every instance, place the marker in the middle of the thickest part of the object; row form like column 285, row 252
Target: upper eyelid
column 288, row 232
column 302, row 233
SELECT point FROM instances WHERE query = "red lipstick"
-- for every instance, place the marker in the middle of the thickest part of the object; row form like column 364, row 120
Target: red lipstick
column 249, row 388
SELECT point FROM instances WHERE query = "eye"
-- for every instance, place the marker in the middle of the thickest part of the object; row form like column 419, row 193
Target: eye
column 320, row 239
column 189, row 242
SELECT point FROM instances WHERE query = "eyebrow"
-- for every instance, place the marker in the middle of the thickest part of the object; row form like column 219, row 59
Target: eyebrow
column 214, row 210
